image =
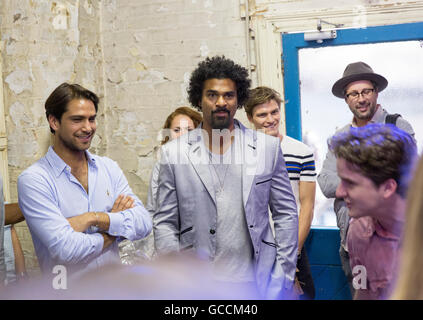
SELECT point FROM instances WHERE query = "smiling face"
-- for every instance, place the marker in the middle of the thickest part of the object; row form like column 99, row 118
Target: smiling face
column 219, row 103
column 266, row 116
column 75, row 130
column 361, row 195
column 180, row 124
column 362, row 107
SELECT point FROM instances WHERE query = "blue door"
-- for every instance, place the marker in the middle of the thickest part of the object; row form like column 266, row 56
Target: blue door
column 313, row 113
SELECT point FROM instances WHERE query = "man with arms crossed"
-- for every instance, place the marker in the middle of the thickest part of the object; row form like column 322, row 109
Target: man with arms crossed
column 78, row 205
column 263, row 111
column 216, row 184
column 359, row 87
column 374, row 164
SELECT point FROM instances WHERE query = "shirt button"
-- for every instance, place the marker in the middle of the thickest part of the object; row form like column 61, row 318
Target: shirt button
column 212, row 231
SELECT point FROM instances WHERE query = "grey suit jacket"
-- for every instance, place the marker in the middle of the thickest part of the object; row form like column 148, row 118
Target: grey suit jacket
column 186, row 216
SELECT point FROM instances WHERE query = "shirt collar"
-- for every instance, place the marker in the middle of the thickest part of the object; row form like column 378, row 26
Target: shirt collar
column 59, row 165
column 378, row 117
column 383, row 233
column 193, row 135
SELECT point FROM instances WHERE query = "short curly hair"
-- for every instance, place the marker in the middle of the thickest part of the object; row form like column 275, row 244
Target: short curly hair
column 379, row 151
column 218, row 67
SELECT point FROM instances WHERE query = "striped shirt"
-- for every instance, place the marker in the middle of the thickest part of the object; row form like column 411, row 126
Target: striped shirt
column 299, row 160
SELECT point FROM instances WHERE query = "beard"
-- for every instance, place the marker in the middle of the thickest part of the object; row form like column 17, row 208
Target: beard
column 368, row 115
column 69, row 144
column 220, row 122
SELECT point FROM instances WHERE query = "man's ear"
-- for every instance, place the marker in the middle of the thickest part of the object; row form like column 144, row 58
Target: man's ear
column 389, row 188
column 53, row 122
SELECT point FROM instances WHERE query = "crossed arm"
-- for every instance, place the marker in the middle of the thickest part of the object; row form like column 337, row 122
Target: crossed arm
column 83, row 221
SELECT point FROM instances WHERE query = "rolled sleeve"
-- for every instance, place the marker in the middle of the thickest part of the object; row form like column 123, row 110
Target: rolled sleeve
column 132, row 224
column 116, row 221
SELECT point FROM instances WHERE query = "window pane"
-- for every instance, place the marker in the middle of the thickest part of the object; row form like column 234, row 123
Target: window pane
column 322, row 113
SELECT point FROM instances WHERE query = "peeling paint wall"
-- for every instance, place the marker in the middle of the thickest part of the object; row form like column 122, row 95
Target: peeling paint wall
column 137, row 55
column 44, row 43
column 150, row 49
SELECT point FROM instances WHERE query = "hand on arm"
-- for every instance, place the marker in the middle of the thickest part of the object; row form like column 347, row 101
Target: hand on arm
column 122, row 203
column 101, row 220
column 108, row 239
column 128, row 217
column 307, row 193
column 84, row 221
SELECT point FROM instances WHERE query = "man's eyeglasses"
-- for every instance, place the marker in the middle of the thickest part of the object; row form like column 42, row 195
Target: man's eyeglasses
column 355, row 94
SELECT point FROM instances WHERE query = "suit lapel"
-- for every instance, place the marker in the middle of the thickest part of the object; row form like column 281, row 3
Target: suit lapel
column 249, row 156
column 198, row 156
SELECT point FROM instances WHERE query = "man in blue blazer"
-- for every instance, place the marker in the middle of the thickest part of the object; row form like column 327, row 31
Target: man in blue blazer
column 216, row 184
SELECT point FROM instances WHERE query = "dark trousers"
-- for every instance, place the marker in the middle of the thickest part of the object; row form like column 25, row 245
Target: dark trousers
column 304, row 276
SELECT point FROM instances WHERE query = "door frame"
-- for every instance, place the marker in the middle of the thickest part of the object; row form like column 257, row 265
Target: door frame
column 292, row 43
column 269, row 20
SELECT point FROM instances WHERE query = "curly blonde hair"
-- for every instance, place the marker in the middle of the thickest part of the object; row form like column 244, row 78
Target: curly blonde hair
column 379, row 151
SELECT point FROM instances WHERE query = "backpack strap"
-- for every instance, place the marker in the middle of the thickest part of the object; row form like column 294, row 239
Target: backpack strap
column 392, row 118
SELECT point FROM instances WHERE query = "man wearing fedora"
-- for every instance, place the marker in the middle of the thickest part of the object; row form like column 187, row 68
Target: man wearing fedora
column 359, row 87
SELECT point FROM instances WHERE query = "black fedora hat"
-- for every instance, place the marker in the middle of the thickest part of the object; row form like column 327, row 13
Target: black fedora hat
column 358, row 71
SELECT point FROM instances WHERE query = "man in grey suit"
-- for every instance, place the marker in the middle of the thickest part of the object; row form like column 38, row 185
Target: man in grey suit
column 216, row 184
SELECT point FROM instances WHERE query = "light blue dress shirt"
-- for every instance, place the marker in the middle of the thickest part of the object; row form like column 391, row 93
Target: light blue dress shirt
column 49, row 194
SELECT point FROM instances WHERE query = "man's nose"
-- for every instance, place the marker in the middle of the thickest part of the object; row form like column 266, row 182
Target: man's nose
column 269, row 118
column 87, row 125
column 361, row 98
column 340, row 191
column 221, row 101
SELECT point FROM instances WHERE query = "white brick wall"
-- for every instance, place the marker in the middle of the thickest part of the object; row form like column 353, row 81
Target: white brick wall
column 136, row 54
